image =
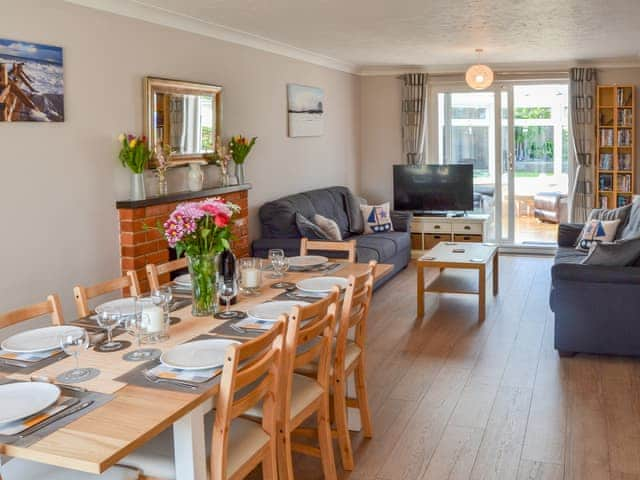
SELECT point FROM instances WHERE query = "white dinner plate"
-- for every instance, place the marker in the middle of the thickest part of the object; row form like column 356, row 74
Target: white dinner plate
column 307, row 261
column 126, row 305
column 23, row 399
column 197, row 355
column 273, row 310
column 321, row 284
column 38, row 340
column 184, row 280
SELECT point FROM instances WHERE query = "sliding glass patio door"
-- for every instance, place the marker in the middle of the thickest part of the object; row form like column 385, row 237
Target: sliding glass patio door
column 516, row 138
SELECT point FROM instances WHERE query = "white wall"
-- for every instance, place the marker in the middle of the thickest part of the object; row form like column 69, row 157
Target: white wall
column 59, row 182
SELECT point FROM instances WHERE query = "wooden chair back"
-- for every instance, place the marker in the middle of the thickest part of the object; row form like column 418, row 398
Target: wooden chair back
column 154, row 271
column 51, row 306
column 307, row 245
column 82, row 295
column 250, row 374
column 355, row 310
column 308, row 339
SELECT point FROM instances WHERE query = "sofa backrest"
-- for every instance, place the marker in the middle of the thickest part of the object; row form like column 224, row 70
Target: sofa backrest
column 278, row 218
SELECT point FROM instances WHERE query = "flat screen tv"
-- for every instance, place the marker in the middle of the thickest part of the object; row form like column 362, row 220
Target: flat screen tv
column 433, row 188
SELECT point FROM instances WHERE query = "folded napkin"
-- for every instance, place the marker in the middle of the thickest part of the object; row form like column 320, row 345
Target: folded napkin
column 19, row 426
column 194, row 376
column 29, row 357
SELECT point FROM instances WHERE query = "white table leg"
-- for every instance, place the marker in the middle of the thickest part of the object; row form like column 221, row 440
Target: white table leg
column 190, row 453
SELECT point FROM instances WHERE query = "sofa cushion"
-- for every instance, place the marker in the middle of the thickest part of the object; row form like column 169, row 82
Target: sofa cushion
column 328, row 227
column 597, row 230
column 381, row 246
column 621, row 213
column 632, row 228
column 356, row 222
column 614, row 254
column 377, row 218
column 308, row 229
column 569, row 255
column 278, row 217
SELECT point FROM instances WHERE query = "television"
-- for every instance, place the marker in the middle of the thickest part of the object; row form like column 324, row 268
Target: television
column 433, row 188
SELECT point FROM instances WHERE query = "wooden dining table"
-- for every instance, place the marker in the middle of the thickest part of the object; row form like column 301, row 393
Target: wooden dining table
column 104, row 436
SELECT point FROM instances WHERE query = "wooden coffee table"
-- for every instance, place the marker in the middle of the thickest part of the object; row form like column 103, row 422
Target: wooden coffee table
column 482, row 257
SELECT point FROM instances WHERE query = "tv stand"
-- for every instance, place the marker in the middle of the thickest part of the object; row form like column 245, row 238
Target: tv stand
column 438, row 213
column 430, row 228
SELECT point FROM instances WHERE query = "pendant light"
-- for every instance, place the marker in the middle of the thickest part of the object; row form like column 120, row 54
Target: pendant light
column 479, row 76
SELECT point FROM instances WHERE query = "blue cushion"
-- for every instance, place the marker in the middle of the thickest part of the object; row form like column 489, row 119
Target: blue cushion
column 381, row 246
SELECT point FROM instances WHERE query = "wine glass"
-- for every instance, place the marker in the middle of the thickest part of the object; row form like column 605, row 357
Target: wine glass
column 227, row 289
column 164, row 296
column 74, row 343
column 109, row 318
column 278, row 260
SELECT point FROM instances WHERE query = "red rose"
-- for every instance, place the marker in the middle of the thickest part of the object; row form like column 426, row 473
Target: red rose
column 221, row 220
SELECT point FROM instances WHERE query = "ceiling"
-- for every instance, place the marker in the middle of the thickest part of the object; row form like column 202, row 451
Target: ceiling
column 431, row 33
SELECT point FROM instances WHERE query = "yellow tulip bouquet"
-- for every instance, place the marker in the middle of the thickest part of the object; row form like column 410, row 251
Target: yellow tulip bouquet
column 134, row 152
column 240, row 148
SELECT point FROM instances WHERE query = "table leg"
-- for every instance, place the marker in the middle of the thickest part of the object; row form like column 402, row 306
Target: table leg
column 482, row 293
column 420, row 292
column 496, row 277
column 190, row 453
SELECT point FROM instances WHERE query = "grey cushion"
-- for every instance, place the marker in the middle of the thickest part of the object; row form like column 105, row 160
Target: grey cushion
column 569, row 255
column 614, row 254
column 568, row 234
column 632, row 228
column 356, row 222
column 328, row 227
column 278, row 218
column 309, row 229
column 381, row 246
column 621, row 213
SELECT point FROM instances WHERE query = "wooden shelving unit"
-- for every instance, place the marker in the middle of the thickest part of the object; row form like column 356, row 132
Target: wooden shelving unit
column 615, row 162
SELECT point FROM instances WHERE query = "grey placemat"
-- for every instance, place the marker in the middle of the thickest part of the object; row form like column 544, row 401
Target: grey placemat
column 225, row 330
column 6, row 368
column 135, row 376
column 99, row 399
column 297, row 295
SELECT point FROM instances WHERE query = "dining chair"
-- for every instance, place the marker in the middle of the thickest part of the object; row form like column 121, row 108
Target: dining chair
column 51, row 306
column 250, row 374
column 82, row 295
column 349, row 359
column 349, row 246
column 154, row 271
column 308, row 339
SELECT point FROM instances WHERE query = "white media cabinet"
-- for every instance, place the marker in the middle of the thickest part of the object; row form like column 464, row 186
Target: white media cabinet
column 427, row 232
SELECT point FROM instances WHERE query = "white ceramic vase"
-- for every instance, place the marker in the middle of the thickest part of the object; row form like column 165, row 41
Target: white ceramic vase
column 195, row 178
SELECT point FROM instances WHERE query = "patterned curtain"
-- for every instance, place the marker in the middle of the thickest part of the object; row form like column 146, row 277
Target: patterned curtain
column 582, row 95
column 414, row 116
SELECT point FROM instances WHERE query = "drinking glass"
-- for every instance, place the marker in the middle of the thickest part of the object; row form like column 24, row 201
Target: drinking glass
column 109, row 318
column 137, row 326
column 73, row 344
column 279, row 262
column 227, row 289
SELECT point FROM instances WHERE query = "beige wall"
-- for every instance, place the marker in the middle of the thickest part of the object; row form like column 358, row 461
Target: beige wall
column 59, row 182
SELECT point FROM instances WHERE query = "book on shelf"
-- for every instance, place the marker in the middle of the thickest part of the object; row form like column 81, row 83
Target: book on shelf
column 622, row 200
column 622, row 99
column 624, row 137
column 624, row 161
column 606, row 137
column 624, row 183
column 625, row 116
column 605, row 182
column 604, row 201
column 606, row 161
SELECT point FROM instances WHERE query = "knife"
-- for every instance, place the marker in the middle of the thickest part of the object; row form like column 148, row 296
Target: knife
column 56, row 417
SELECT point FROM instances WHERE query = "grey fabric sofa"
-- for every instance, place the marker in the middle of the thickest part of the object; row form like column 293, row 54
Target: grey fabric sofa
column 279, row 230
column 596, row 307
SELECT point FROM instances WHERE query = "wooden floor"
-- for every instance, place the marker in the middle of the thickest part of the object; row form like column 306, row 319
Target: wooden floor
column 454, row 399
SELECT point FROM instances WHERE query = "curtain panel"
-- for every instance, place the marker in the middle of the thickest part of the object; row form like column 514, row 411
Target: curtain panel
column 414, row 116
column 582, row 110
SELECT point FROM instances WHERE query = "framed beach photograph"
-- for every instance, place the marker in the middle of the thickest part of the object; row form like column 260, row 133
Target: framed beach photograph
column 306, row 110
column 31, row 82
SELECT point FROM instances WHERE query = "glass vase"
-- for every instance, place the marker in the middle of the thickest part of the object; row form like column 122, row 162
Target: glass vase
column 240, row 173
column 202, row 269
column 136, row 191
column 163, row 187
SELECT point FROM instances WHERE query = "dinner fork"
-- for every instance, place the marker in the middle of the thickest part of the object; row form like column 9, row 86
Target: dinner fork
column 156, row 379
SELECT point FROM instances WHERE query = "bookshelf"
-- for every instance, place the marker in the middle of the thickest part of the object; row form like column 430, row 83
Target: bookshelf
column 615, row 164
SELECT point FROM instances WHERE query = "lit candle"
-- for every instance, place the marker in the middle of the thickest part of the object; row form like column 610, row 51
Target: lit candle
column 250, row 278
column 155, row 316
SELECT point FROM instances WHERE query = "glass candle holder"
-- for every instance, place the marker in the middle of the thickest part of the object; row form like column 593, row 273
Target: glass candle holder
column 250, row 275
column 156, row 314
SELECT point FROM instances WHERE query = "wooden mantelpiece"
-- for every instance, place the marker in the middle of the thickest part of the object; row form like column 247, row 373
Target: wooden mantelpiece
column 140, row 246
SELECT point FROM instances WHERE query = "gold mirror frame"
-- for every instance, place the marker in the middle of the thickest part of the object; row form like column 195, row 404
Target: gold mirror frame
column 153, row 85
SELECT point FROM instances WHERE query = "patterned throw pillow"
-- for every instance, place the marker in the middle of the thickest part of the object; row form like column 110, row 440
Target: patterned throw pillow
column 377, row 218
column 329, row 227
column 597, row 231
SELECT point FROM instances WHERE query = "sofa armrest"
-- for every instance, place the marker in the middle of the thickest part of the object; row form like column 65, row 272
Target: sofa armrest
column 401, row 220
column 568, row 234
column 576, row 272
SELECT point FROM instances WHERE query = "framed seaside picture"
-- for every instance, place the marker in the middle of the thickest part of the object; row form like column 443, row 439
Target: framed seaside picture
column 305, row 107
column 31, row 82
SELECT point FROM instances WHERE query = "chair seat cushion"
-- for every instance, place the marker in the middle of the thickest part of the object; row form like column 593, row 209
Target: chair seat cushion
column 351, row 354
column 155, row 458
column 304, row 391
column 18, row 469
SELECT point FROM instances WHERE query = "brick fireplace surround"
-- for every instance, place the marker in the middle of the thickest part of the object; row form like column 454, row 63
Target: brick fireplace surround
column 140, row 246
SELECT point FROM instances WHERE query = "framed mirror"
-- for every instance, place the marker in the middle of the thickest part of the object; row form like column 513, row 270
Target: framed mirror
column 186, row 116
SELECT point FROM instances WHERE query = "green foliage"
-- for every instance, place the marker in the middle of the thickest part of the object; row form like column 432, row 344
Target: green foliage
column 533, row 112
column 134, row 153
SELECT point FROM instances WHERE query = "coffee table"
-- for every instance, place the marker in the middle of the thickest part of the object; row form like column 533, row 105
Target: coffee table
column 482, row 257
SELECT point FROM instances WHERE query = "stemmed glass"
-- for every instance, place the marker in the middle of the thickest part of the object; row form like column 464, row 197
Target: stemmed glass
column 109, row 318
column 74, row 343
column 227, row 289
column 279, row 262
